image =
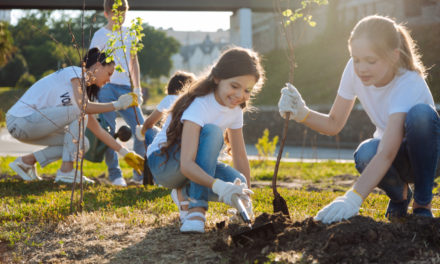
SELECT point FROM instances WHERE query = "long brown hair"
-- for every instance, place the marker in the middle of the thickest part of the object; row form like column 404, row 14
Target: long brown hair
column 385, row 35
column 232, row 63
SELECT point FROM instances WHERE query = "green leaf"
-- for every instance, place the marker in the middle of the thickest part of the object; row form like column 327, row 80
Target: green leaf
column 287, row 12
column 119, row 68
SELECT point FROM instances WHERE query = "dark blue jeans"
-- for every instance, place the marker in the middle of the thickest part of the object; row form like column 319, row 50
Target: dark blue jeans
column 168, row 173
column 416, row 161
column 151, row 134
column 111, row 92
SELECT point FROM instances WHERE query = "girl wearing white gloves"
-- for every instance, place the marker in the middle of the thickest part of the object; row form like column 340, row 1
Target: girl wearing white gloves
column 47, row 114
column 386, row 75
column 184, row 155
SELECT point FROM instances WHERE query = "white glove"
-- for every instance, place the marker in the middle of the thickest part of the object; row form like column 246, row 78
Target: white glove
column 139, row 135
column 125, row 101
column 225, row 190
column 291, row 101
column 235, row 217
column 138, row 92
column 246, row 199
column 341, row 208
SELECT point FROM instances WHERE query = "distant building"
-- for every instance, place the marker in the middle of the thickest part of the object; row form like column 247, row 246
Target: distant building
column 5, row 15
column 267, row 32
column 198, row 49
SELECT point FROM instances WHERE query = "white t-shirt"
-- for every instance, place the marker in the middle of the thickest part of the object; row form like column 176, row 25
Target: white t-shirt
column 407, row 89
column 202, row 111
column 166, row 102
column 50, row 91
column 99, row 41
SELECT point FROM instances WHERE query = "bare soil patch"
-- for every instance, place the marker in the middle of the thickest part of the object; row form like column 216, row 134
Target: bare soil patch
column 358, row 240
column 99, row 238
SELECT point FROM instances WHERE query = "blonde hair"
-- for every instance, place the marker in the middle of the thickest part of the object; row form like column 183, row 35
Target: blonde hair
column 385, row 35
column 108, row 6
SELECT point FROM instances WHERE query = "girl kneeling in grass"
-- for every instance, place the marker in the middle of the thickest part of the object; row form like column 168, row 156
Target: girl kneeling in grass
column 184, row 154
column 47, row 114
column 386, row 75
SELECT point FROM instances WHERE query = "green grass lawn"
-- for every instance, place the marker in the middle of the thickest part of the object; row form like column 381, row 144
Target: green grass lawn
column 26, row 207
column 261, row 171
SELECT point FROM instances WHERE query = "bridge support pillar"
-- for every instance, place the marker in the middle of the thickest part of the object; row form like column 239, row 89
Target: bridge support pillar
column 241, row 28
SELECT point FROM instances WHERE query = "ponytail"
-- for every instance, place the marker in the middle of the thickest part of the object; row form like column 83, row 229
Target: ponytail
column 93, row 56
column 410, row 57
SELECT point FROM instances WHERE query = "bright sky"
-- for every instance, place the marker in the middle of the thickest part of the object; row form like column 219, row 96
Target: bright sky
column 178, row 20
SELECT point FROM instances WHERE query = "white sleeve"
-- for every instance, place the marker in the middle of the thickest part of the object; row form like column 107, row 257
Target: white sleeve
column 194, row 113
column 98, row 41
column 72, row 73
column 238, row 121
column 164, row 104
column 347, row 82
column 407, row 93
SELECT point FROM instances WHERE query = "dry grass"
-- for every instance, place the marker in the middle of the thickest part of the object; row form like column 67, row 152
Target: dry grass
column 98, row 237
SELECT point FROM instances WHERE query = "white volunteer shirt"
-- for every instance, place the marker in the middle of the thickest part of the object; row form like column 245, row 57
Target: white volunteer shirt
column 406, row 90
column 166, row 102
column 203, row 110
column 99, row 41
column 50, row 91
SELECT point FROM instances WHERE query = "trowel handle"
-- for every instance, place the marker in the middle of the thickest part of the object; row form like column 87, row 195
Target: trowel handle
column 238, row 203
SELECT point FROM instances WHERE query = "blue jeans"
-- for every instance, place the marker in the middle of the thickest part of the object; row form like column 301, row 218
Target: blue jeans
column 416, row 161
column 151, row 134
column 168, row 173
column 111, row 92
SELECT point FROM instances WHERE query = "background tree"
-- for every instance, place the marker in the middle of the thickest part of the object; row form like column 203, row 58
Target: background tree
column 62, row 29
column 12, row 71
column 7, row 47
column 155, row 58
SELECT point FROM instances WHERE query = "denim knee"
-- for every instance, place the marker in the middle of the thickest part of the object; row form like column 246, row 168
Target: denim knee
column 420, row 120
column 365, row 152
column 213, row 133
column 151, row 134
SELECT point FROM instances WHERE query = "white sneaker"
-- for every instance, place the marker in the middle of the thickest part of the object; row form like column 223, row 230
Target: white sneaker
column 25, row 171
column 193, row 225
column 175, row 197
column 68, row 177
column 119, row 182
column 133, row 181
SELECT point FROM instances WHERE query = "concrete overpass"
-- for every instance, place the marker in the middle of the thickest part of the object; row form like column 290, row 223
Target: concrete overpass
column 150, row 5
column 241, row 20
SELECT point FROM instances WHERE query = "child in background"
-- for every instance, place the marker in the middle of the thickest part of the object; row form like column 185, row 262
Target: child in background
column 387, row 76
column 148, row 130
column 119, row 85
column 184, row 154
column 53, row 103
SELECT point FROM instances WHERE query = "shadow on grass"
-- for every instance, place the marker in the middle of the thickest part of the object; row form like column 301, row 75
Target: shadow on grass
column 96, row 197
column 165, row 244
column 15, row 187
column 121, row 197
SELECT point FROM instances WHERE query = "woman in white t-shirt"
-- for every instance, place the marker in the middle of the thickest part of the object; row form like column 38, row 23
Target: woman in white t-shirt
column 184, row 154
column 48, row 112
column 386, row 75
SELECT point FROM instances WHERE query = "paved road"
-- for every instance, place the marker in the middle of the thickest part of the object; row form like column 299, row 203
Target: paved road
column 13, row 147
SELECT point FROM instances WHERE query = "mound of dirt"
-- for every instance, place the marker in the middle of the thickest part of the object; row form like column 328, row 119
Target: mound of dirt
column 357, row 240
